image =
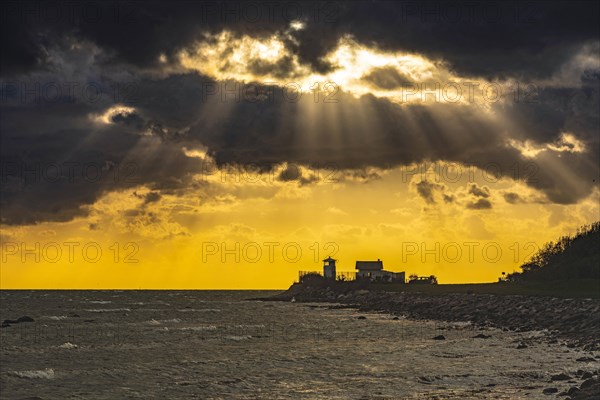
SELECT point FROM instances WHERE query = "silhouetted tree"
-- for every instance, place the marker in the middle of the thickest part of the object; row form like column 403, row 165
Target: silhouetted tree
column 568, row 257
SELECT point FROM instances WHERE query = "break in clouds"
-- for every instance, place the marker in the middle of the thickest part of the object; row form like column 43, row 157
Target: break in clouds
column 115, row 96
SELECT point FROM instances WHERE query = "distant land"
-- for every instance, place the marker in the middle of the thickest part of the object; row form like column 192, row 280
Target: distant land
column 568, row 267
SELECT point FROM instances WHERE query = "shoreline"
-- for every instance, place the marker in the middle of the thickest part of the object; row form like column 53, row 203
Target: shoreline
column 573, row 322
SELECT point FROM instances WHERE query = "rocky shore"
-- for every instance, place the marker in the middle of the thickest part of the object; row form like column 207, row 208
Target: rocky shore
column 575, row 322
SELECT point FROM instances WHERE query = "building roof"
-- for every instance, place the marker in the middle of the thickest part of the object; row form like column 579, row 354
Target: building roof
column 369, row 265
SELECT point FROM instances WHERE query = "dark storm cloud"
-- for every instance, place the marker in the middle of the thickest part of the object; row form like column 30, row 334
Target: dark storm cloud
column 512, row 198
column 293, row 173
column 129, row 119
column 134, row 33
column 481, row 196
column 480, row 204
column 150, row 197
column 491, row 39
column 144, row 147
column 56, row 161
column 173, row 113
column 361, row 175
column 448, row 198
column 483, row 39
column 426, row 190
column 388, row 135
column 290, row 173
column 386, row 78
column 479, row 191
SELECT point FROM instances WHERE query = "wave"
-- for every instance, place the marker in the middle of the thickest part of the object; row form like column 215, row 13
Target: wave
column 260, row 326
column 238, row 338
column 47, row 373
column 199, row 328
column 163, row 321
column 68, row 345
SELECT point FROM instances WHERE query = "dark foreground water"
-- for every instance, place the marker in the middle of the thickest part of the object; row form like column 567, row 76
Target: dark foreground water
column 215, row 345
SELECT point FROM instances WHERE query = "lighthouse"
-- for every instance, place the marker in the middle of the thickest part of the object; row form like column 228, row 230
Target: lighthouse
column 329, row 268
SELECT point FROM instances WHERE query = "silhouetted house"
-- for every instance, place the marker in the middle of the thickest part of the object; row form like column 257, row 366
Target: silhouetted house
column 373, row 270
column 329, row 268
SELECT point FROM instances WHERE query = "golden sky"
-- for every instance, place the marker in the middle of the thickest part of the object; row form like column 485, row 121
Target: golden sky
column 189, row 241
column 226, row 227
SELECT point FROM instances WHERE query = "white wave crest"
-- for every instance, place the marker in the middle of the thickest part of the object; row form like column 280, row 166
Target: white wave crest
column 68, row 345
column 47, row 373
column 56, row 317
column 199, row 328
column 238, row 338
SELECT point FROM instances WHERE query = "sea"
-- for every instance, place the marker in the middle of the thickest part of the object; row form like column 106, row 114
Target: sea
column 221, row 345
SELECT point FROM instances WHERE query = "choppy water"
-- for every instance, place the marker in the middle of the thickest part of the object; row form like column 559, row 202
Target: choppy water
column 214, row 345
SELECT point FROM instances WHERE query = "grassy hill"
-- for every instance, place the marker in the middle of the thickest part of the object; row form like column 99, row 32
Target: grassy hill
column 569, row 258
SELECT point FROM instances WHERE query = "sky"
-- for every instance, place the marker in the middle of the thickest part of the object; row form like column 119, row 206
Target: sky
column 226, row 145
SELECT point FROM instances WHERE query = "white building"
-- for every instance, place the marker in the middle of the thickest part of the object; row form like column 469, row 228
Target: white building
column 373, row 270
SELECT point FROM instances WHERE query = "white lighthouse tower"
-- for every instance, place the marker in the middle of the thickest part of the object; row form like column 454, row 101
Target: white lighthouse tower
column 329, row 268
